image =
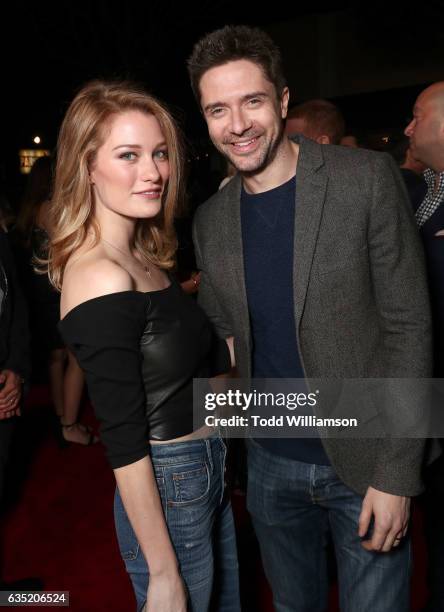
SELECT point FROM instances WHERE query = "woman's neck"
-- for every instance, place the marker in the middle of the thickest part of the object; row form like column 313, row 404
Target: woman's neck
column 117, row 230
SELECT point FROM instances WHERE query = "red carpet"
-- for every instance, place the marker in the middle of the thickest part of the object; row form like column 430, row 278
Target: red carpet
column 58, row 524
column 61, row 526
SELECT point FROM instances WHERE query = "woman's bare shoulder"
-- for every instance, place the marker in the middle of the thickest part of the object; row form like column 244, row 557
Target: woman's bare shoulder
column 89, row 276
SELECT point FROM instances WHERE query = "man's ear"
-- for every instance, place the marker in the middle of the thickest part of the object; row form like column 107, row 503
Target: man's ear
column 323, row 139
column 285, row 98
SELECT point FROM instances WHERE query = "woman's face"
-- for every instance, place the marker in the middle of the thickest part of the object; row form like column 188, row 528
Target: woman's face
column 131, row 167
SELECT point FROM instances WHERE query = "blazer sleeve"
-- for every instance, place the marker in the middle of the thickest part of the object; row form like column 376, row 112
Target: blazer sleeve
column 401, row 294
column 207, row 297
column 104, row 335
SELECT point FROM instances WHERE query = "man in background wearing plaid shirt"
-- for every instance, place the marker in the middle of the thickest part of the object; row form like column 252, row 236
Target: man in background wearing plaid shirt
column 426, row 133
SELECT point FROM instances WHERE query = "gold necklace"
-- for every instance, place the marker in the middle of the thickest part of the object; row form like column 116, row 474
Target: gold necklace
column 144, row 266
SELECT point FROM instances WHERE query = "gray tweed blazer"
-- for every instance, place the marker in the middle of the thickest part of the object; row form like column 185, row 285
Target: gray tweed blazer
column 360, row 295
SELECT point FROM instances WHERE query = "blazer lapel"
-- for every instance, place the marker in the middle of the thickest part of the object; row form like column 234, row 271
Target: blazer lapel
column 311, row 185
column 232, row 240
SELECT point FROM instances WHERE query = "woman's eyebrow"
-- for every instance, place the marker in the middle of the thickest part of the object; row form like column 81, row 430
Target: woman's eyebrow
column 133, row 146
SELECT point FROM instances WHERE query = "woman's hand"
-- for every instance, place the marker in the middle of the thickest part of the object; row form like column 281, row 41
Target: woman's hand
column 166, row 593
column 140, row 496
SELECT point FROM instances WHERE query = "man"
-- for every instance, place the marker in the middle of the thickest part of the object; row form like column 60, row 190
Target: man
column 411, row 171
column 310, row 258
column 319, row 120
column 349, row 140
column 426, row 133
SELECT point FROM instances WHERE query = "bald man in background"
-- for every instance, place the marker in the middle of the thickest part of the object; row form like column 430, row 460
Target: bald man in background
column 319, row 120
column 426, row 134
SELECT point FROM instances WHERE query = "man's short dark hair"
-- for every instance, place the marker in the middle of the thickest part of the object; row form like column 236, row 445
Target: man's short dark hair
column 233, row 43
column 322, row 117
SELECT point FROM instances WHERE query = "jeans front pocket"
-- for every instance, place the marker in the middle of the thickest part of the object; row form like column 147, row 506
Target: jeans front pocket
column 189, row 483
column 160, row 481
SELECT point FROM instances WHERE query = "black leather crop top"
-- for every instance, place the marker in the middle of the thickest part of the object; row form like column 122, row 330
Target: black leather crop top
column 140, row 353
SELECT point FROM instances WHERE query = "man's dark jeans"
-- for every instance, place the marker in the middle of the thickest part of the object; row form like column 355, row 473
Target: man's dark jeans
column 293, row 505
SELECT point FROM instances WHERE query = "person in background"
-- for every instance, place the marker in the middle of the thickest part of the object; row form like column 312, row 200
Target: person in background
column 15, row 365
column 7, row 216
column 319, row 120
column 66, row 379
column 141, row 340
column 349, row 140
column 426, row 135
column 411, row 170
column 15, row 369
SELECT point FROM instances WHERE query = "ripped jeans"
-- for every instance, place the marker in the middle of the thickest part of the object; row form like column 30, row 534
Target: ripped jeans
column 190, row 478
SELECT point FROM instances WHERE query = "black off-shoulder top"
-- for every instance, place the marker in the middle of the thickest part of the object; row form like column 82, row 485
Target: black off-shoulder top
column 140, row 353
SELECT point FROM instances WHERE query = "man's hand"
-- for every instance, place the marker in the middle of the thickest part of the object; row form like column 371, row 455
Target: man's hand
column 391, row 517
column 10, row 394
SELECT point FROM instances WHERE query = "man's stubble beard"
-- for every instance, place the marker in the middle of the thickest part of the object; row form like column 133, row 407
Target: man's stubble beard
column 268, row 154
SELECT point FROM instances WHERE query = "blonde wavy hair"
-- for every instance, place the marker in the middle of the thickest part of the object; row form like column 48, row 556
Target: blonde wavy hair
column 82, row 132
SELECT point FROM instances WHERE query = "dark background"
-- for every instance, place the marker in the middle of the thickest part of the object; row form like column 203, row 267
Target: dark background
column 372, row 60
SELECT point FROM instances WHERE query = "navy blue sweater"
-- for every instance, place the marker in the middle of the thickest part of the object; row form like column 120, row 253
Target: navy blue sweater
column 268, row 234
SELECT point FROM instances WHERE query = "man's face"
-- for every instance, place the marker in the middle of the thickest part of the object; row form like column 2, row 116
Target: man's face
column 243, row 114
column 426, row 130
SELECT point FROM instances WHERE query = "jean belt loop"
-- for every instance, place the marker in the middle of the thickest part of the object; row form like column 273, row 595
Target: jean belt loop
column 209, row 455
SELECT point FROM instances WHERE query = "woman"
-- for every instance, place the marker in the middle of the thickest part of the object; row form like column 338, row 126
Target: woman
column 65, row 376
column 140, row 341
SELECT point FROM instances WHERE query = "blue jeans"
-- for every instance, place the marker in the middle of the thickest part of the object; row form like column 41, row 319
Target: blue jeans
column 293, row 506
column 190, row 478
